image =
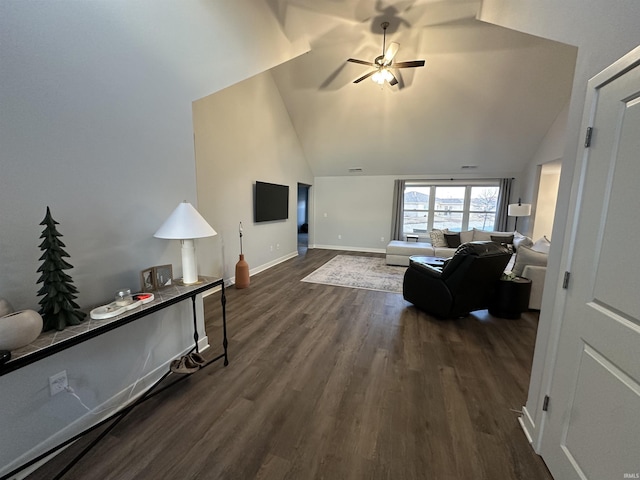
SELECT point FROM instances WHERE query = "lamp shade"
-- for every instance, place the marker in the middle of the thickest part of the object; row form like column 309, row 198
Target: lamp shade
column 519, row 210
column 185, row 222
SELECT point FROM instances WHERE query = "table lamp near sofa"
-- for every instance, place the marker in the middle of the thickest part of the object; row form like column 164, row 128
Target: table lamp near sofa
column 519, row 210
column 186, row 224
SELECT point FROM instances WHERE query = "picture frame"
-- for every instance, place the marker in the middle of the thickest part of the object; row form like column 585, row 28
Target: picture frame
column 147, row 280
column 163, row 276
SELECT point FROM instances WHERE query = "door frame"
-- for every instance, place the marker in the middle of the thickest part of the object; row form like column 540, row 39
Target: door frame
column 533, row 420
column 307, row 207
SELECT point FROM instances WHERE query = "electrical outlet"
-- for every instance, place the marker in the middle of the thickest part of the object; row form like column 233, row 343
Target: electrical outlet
column 339, row 237
column 382, row 239
column 58, row 383
column 277, row 246
column 271, row 247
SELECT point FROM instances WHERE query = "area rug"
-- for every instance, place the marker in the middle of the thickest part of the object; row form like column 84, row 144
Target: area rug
column 370, row 273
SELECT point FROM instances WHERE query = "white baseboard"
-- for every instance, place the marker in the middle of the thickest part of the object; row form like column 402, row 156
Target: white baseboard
column 254, row 271
column 527, row 424
column 351, row 249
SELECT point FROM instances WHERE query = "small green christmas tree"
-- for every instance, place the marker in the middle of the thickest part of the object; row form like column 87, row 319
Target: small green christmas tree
column 57, row 306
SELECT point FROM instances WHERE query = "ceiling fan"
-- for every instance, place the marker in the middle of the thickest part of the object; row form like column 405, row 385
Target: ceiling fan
column 384, row 62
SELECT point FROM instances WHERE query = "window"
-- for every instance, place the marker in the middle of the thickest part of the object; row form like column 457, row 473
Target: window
column 456, row 206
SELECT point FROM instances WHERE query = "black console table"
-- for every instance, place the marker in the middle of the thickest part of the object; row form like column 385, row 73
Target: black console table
column 91, row 328
column 50, row 343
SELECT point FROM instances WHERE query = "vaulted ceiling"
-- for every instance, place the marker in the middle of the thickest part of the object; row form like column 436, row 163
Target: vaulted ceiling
column 486, row 97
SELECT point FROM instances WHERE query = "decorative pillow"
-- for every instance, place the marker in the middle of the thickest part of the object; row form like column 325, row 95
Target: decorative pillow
column 453, row 239
column 437, row 238
column 521, row 240
column 542, row 245
column 481, row 236
column 526, row 256
column 485, row 236
column 466, row 236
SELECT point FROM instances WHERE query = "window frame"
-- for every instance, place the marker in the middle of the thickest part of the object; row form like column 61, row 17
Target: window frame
column 466, row 205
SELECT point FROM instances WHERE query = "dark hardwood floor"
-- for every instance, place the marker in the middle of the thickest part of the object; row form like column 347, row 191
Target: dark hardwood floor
column 332, row 383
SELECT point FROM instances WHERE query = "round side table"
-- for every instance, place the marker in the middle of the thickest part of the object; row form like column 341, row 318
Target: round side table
column 510, row 298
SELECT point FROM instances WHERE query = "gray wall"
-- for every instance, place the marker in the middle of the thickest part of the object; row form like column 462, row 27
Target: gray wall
column 352, row 213
column 96, row 122
column 243, row 134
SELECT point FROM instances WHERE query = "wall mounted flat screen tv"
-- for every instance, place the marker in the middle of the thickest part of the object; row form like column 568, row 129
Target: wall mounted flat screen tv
column 271, row 202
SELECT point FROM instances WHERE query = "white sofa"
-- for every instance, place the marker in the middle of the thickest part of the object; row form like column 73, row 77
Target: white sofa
column 531, row 264
column 536, row 274
column 399, row 251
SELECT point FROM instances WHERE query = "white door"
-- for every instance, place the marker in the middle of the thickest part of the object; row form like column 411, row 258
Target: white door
column 592, row 428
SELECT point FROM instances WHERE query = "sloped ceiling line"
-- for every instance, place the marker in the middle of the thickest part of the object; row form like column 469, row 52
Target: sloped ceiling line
column 487, row 95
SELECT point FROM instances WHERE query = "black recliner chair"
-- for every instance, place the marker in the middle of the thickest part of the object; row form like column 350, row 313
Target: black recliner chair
column 466, row 282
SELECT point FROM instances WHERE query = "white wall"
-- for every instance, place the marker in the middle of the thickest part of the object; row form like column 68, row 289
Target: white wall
column 551, row 149
column 603, row 32
column 545, row 204
column 353, row 213
column 243, row 134
column 96, row 122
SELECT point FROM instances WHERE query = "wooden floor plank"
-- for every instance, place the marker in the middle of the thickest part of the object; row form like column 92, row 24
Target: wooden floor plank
column 329, row 382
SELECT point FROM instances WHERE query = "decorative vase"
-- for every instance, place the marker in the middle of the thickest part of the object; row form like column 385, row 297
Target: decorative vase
column 242, row 273
column 19, row 329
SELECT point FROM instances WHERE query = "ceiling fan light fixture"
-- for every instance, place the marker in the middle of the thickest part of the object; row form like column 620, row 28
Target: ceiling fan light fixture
column 381, row 76
column 383, row 62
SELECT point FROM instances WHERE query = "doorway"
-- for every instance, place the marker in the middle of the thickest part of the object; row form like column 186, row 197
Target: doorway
column 303, row 218
column 547, row 197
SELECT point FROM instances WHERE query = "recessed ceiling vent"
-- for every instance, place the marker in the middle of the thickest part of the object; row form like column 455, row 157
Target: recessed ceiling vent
column 468, row 167
column 355, row 170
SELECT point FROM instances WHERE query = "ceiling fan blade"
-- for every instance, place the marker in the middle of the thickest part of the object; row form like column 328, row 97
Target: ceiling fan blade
column 411, row 64
column 362, row 62
column 364, row 77
column 391, row 52
column 394, row 80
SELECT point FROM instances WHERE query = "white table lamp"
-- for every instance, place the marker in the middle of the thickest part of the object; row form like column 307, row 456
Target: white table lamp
column 186, row 224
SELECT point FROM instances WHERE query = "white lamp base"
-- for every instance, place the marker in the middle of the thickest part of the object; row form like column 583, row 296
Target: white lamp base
column 189, row 266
